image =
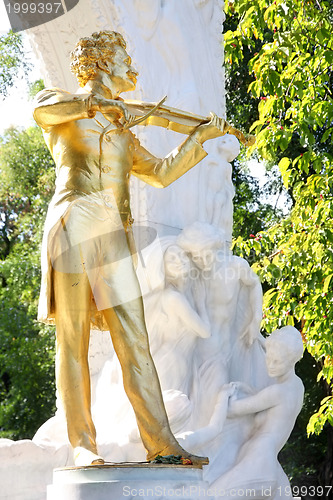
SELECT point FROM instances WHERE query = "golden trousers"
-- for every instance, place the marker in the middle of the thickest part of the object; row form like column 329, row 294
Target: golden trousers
column 100, row 270
column 130, row 341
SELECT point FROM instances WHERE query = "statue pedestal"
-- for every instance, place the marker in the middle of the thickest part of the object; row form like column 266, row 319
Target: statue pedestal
column 117, row 481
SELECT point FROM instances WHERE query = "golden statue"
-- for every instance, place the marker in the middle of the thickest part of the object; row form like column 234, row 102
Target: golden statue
column 88, row 272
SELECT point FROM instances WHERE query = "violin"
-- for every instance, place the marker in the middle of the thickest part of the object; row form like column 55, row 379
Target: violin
column 149, row 113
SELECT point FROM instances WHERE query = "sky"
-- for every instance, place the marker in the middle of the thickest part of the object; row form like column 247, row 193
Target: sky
column 16, row 109
column 4, row 23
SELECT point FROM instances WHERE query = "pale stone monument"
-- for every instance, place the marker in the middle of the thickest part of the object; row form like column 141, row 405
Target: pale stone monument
column 229, row 394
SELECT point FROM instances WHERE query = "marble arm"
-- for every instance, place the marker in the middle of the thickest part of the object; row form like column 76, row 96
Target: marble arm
column 189, row 317
column 210, row 432
column 251, row 280
column 244, row 388
column 264, row 399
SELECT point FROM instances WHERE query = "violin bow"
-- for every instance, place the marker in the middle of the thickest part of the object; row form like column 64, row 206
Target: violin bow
column 147, row 115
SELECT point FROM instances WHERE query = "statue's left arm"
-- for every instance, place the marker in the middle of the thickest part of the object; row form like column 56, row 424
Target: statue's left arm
column 162, row 172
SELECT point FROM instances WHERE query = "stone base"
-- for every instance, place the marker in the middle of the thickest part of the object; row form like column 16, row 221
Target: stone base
column 121, row 481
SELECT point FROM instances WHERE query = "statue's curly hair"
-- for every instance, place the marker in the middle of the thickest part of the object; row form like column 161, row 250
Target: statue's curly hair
column 88, row 51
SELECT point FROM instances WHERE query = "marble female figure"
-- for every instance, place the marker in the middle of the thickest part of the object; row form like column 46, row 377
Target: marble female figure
column 174, row 326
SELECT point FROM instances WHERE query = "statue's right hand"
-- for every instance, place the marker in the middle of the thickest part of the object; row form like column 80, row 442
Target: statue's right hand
column 112, row 109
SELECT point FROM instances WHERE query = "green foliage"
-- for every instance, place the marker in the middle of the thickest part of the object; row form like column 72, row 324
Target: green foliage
column 286, row 48
column 26, row 347
column 36, row 87
column 252, row 212
column 292, row 79
column 12, row 59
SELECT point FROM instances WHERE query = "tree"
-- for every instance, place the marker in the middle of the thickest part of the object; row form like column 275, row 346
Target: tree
column 291, row 73
column 26, row 347
column 12, row 60
column 252, row 212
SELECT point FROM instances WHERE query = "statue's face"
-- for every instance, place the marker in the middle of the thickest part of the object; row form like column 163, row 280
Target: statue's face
column 204, row 258
column 176, row 262
column 277, row 360
column 121, row 72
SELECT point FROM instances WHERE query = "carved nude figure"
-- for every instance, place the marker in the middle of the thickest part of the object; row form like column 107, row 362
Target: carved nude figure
column 228, row 295
column 88, row 271
column 275, row 409
column 223, row 274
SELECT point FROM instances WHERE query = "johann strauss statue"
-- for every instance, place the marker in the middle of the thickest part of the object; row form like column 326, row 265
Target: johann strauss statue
column 88, row 270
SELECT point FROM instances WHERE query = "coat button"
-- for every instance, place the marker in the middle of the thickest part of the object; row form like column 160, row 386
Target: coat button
column 106, row 170
column 108, row 201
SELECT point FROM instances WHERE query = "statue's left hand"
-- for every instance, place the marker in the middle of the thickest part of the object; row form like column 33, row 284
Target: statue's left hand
column 214, row 128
